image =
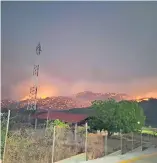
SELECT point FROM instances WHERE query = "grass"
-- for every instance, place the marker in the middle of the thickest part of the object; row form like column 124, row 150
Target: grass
column 36, row 147
column 149, row 131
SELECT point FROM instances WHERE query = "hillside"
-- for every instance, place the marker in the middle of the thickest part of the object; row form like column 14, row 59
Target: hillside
column 54, row 103
column 80, row 100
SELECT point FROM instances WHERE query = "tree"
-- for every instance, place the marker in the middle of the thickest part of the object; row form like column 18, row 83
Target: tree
column 131, row 116
column 113, row 116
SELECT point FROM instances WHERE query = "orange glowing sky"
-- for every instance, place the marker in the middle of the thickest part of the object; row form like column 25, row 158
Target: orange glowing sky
column 54, row 87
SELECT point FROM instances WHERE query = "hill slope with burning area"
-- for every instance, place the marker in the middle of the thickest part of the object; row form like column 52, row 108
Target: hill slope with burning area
column 59, row 103
column 79, row 100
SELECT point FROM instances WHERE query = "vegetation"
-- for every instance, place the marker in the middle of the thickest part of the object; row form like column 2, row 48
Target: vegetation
column 59, row 123
column 35, row 146
column 149, row 131
column 113, row 116
column 149, row 107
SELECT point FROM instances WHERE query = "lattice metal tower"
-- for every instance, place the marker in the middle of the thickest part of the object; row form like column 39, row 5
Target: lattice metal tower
column 32, row 102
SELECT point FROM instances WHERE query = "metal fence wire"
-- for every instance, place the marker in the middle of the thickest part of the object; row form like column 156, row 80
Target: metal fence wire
column 148, row 139
column 130, row 141
column 25, row 144
column 67, row 143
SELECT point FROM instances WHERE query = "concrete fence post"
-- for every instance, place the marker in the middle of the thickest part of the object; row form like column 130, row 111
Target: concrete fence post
column 6, row 135
column 132, row 135
column 141, row 141
column 47, row 119
column 53, row 144
column 75, row 136
column 121, row 141
column 36, row 122
column 86, row 139
column 106, row 150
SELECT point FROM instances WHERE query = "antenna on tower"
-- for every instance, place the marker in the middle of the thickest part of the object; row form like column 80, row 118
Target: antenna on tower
column 32, row 102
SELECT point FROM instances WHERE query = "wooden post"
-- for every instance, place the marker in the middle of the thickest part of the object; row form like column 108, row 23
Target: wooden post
column 6, row 134
column 86, row 125
column 53, row 145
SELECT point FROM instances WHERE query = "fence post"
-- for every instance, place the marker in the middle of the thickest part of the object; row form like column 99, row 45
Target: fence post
column 121, row 141
column 75, row 132
column 141, row 141
column 6, row 135
column 47, row 119
column 106, row 134
column 86, row 125
column 29, row 118
column 53, row 144
column 36, row 122
column 132, row 134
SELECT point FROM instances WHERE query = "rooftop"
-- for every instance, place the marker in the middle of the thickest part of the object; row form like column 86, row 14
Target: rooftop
column 65, row 117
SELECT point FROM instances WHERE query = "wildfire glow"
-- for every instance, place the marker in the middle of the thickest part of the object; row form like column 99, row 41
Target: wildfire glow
column 44, row 91
column 141, row 99
column 49, row 86
column 146, row 96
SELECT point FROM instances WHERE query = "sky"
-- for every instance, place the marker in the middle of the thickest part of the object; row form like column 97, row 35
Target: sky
column 96, row 46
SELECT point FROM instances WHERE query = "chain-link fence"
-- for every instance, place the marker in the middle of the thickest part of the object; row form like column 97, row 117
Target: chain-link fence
column 121, row 143
column 149, row 137
column 114, row 143
column 68, row 143
column 130, row 141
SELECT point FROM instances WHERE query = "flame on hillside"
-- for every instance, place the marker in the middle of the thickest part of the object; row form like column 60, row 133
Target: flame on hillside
column 146, row 97
column 44, row 92
column 142, row 99
column 41, row 97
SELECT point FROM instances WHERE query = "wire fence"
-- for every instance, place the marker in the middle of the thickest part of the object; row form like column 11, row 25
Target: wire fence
column 130, row 141
column 25, row 144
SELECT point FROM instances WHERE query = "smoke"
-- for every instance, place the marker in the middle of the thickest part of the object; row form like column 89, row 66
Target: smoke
column 52, row 86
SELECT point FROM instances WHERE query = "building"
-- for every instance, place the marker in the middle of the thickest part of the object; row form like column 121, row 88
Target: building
column 69, row 118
